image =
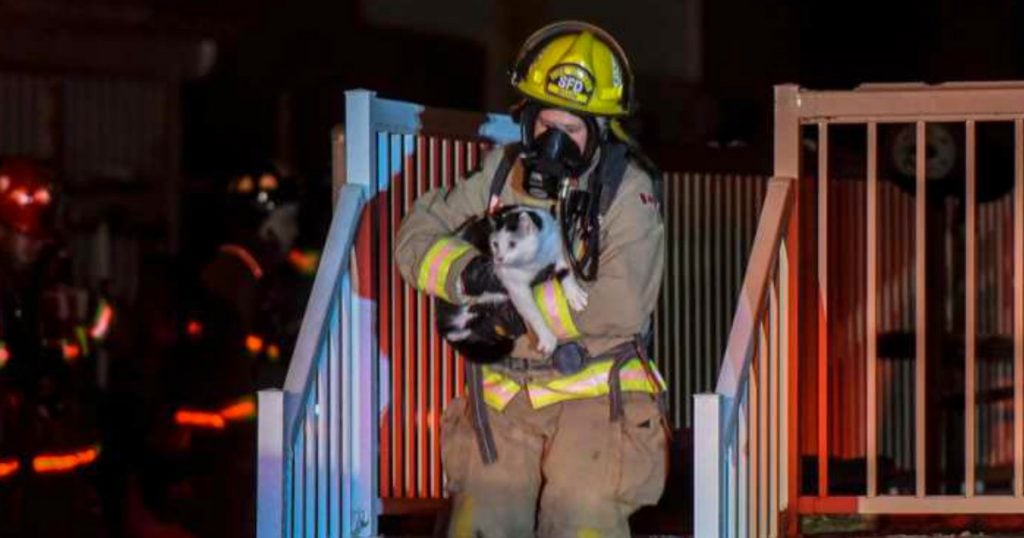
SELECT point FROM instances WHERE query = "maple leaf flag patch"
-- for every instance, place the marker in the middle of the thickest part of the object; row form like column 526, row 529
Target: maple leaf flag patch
column 648, row 199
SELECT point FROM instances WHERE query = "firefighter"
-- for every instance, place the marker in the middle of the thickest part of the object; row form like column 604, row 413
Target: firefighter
column 587, row 422
column 238, row 317
column 260, row 273
column 50, row 332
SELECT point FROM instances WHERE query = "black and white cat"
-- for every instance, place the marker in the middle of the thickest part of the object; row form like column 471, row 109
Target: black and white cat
column 525, row 248
column 527, row 243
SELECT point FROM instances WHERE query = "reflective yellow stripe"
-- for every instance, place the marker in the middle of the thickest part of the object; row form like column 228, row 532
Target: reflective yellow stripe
column 592, row 382
column 498, row 389
column 433, row 274
column 496, row 401
column 553, row 306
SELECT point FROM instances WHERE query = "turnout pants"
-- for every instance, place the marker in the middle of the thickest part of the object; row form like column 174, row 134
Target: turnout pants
column 564, row 470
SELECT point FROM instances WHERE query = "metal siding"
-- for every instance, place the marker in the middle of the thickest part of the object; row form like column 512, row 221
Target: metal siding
column 710, row 221
column 425, row 373
column 114, row 127
column 94, row 127
column 26, row 115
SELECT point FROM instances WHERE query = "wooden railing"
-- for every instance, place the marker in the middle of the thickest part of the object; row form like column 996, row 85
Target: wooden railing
column 900, row 389
column 741, row 468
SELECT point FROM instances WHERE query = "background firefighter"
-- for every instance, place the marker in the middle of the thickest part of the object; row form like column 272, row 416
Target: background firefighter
column 585, row 423
column 235, row 318
column 50, row 334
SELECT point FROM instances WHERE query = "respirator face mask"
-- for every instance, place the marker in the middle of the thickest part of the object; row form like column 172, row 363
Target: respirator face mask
column 553, row 156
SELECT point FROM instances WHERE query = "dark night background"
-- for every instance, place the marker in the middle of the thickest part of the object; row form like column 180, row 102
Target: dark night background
column 705, row 69
column 239, row 84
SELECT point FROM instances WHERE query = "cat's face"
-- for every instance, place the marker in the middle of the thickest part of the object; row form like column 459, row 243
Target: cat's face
column 515, row 239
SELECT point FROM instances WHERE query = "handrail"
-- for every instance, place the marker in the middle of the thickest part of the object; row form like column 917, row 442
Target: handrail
column 280, row 414
column 899, row 103
column 334, row 263
column 739, row 350
column 739, row 482
column 318, row 470
column 891, row 291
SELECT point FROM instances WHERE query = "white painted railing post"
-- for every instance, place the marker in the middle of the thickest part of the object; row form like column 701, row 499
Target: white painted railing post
column 360, row 417
column 708, row 512
column 270, row 467
column 360, row 144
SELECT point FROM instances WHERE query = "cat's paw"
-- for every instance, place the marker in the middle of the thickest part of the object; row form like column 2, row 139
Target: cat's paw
column 575, row 295
column 546, row 342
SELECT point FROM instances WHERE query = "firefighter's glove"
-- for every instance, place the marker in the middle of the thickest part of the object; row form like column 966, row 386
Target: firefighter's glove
column 478, row 278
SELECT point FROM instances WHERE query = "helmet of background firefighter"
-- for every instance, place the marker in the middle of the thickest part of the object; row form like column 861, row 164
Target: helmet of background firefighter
column 26, row 197
column 27, row 211
column 262, row 205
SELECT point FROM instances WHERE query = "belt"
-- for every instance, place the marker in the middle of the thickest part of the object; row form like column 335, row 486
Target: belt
column 619, row 355
column 568, row 359
column 519, row 365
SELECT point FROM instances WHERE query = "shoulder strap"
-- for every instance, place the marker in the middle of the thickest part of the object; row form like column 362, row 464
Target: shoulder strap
column 510, row 154
column 611, row 171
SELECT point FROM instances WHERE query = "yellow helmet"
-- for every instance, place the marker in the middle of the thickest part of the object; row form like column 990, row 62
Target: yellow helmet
column 576, row 66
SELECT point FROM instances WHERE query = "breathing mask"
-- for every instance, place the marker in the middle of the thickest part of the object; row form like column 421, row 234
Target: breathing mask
column 553, row 157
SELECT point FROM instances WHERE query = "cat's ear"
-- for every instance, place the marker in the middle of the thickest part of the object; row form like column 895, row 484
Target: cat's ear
column 538, row 222
column 526, row 224
column 530, row 222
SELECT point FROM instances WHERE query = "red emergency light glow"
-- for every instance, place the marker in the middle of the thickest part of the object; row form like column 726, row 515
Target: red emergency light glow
column 62, row 463
column 194, row 328
column 304, row 261
column 42, row 196
column 104, row 315
column 199, row 419
column 21, row 197
column 72, row 351
column 273, row 353
column 5, row 354
column 254, row 344
column 244, row 409
column 8, row 467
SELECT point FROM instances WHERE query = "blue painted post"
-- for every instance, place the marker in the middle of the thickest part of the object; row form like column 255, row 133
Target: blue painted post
column 359, row 371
